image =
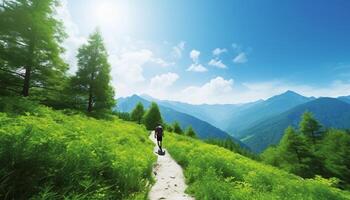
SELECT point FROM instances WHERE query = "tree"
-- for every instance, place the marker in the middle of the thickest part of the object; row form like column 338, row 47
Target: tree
column 309, row 126
column 335, row 151
column 293, row 155
column 176, row 127
column 152, row 117
column 190, row 132
column 30, row 38
column 137, row 113
column 92, row 80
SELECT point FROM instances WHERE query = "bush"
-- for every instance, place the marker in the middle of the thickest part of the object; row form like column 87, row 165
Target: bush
column 213, row 172
column 45, row 154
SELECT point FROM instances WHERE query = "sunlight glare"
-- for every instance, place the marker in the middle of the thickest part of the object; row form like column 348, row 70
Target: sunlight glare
column 109, row 14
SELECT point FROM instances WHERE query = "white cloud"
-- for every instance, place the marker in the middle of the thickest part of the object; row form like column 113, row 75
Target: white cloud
column 194, row 55
column 74, row 40
column 218, row 51
column 161, row 62
column 217, row 63
column 178, row 49
column 164, row 80
column 213, row 91
column 128, row 70
column 197, row 68
column 240, row 58
column 128, row 67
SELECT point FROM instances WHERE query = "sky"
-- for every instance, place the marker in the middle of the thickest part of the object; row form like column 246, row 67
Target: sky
column 228, row 51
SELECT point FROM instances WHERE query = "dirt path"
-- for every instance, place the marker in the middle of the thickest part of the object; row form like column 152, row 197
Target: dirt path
column 170, row 181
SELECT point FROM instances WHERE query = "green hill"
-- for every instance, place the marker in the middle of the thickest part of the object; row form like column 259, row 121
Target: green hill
column 330, row 112
column 46, row 154
column 216, row 173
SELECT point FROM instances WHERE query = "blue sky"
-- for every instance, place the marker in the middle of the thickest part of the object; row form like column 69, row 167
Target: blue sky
column 218, row 51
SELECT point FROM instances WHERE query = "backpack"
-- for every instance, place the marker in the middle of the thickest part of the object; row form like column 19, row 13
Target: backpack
column 159, row 131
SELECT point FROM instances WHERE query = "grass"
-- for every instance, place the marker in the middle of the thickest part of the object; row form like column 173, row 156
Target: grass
column 47, row 154
column 215, row 173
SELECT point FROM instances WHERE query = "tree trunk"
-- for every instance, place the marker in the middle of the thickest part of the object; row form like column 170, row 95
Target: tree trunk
column 26, row 84
column 90, row 100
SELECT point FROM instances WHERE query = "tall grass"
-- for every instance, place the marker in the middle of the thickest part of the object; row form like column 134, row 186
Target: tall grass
column 45, row 154
column 215, row 173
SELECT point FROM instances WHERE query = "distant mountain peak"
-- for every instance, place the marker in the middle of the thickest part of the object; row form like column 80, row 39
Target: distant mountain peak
column 290, row 92
column 288, row 95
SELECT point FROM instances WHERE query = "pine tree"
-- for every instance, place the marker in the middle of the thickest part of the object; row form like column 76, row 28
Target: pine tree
column 177, row 128
column 190, row 132
column 30, row 38
column 92, row 80
column 309, row 126
column 137, row 113
column 296, row 154
column 152, row 117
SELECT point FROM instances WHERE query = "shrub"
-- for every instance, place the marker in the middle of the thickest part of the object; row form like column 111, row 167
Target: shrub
column 45, row 154
column 213, row 172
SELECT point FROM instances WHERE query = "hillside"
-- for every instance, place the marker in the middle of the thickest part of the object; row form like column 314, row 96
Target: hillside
column 47, row 154
column 202, row 128
column 330, row 112
column 246, row 118
column 345, row 98
column 216, row 173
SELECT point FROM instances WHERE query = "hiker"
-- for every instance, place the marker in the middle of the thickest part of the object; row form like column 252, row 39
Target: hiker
column 158, row 134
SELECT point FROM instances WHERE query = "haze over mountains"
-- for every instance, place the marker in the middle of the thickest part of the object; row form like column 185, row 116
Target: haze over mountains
column 257, row 124
column 202, row 128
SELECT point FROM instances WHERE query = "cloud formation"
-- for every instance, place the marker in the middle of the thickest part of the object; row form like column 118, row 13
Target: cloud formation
column 240, row 58
column 74, row 39
column 163, row 81
column 217, row 63
column 212, row 91
column 218, row 51
column 178, row 49
column 196, row 66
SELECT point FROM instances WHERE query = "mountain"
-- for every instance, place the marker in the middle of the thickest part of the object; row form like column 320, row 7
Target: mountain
column 345, row 98
column 248, row 116
column 215, row 114
column 330, row 112
column 202, row 128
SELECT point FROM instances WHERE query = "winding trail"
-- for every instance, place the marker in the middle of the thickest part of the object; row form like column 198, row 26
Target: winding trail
column 170, row 182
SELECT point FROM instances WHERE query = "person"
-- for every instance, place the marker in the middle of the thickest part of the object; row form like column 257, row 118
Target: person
column 158, row 134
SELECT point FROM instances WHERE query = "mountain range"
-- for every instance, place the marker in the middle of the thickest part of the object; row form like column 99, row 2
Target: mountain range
column 256, row 124
column 203, row 129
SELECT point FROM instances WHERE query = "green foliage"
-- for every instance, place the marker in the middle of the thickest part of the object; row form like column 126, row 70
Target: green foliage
column 335, row 152
column 30, row 49
column 92, row 80
column 123, row 115
column 216, row 173
column 299, row 153
column 137, row 113
column 190, row 132
column 177, row 128
column 45, row 154
column 152, row 117
column 294, row 155
column 231, row 145
column 169, row 128
column 309, row 126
